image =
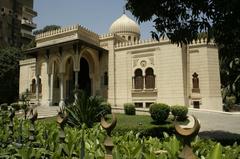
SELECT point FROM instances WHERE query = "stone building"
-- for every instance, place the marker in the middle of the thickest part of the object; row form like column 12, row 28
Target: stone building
column 121, row 67
column 16, row 22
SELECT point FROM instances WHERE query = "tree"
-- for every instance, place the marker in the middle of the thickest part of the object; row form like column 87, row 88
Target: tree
column 46, row 28
column 9, row 74
column 182, row 20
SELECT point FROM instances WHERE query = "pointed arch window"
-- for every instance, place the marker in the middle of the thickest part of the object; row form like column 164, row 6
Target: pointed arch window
column 195, row 83
column 149, row 79
column 40, row 85
column 33, row 86
column 138, row 79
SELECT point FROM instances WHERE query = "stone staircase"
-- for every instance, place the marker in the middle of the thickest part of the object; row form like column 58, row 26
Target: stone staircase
column 47, row 111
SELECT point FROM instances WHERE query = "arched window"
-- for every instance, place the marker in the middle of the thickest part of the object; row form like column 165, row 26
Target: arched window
column 129, row 38
column 195, row 83
column 39, row 85
column 33, row 86
column 149, row 79
column 135, row 39
column 105, row 78
column 138, row 79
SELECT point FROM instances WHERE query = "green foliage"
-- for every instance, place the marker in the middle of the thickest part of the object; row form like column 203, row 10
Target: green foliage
column 182, row 21
column 106, row 108
column 88, row 143
column 229, row 102
column 159, row 112
column 15, row 106
column 179, row 111
column 9, row 74
column 46, row 29
column 216, row 153
column 4, row 106
column 230, row 79
column 129, row 109
column 85, row 110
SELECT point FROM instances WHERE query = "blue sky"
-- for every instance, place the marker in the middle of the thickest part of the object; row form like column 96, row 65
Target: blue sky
column 97, row 15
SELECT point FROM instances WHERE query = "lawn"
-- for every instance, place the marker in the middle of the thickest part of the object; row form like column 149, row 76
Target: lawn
column 135, row 123
column 141, row 123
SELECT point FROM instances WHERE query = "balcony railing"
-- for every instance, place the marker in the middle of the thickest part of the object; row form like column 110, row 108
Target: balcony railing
column 27, row 35
column 144, row 92
column 29, row 23
column 29, row 11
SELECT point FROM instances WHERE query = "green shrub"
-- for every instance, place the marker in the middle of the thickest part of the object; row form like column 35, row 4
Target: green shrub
column 179, row 111
column 129, row 109
column 159, row 112
column 4, row 106
column 106, row 108
column 230, row 100
column 16, row 106
column 85, row 110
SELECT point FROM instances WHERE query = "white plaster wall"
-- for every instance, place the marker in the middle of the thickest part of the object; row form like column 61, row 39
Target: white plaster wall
column 27, row 73
column 109, row 45
column 169, row 75
column 167, row 67
column 122, row 77
column 204, row 61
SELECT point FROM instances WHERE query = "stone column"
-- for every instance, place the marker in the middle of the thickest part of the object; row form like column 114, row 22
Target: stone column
column 76, row 80
column 144, row 87
column 62, row 103
column 133, row 83
column 50, row 89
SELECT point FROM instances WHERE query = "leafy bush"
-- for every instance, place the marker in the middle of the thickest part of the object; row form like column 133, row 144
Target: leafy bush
column 229, row 102
column 4, row 106
column 159, row 112
column 89, row 143
column 129, row 109
column 106, row 108
column 15, row 106
column 179, row 111
column 85, row 110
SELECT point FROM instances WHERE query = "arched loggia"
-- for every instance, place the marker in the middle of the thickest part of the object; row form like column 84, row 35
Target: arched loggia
column 84, row 81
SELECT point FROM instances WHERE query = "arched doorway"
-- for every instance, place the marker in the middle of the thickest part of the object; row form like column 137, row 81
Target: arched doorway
column 55, row 83
column 69, row 79
column 84, row 80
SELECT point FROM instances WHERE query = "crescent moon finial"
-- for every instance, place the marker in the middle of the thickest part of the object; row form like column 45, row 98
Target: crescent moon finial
column 62, row 118
column 109, row 126
column 185, row 132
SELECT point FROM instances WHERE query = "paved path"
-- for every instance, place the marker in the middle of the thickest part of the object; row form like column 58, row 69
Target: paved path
column 215, row 121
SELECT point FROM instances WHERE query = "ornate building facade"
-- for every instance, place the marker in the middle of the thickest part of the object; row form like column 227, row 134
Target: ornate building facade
column 121, row 67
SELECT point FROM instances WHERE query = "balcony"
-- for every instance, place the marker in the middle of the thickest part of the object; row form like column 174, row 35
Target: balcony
column 26, row 34
column 28, row 23
column 29, row 11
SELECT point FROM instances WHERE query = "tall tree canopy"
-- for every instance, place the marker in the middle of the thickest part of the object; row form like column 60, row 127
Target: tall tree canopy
column 182, row 20
column 46, row 28
column 9, row 74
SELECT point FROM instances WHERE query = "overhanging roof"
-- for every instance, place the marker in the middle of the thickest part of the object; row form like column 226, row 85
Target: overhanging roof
column 75, row 41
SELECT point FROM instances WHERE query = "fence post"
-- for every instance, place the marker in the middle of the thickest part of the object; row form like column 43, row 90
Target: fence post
column 11, row 116
column 33, row 117
column 108, row 141
column 187, row 134
column 62, row 120
column 19, row 142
